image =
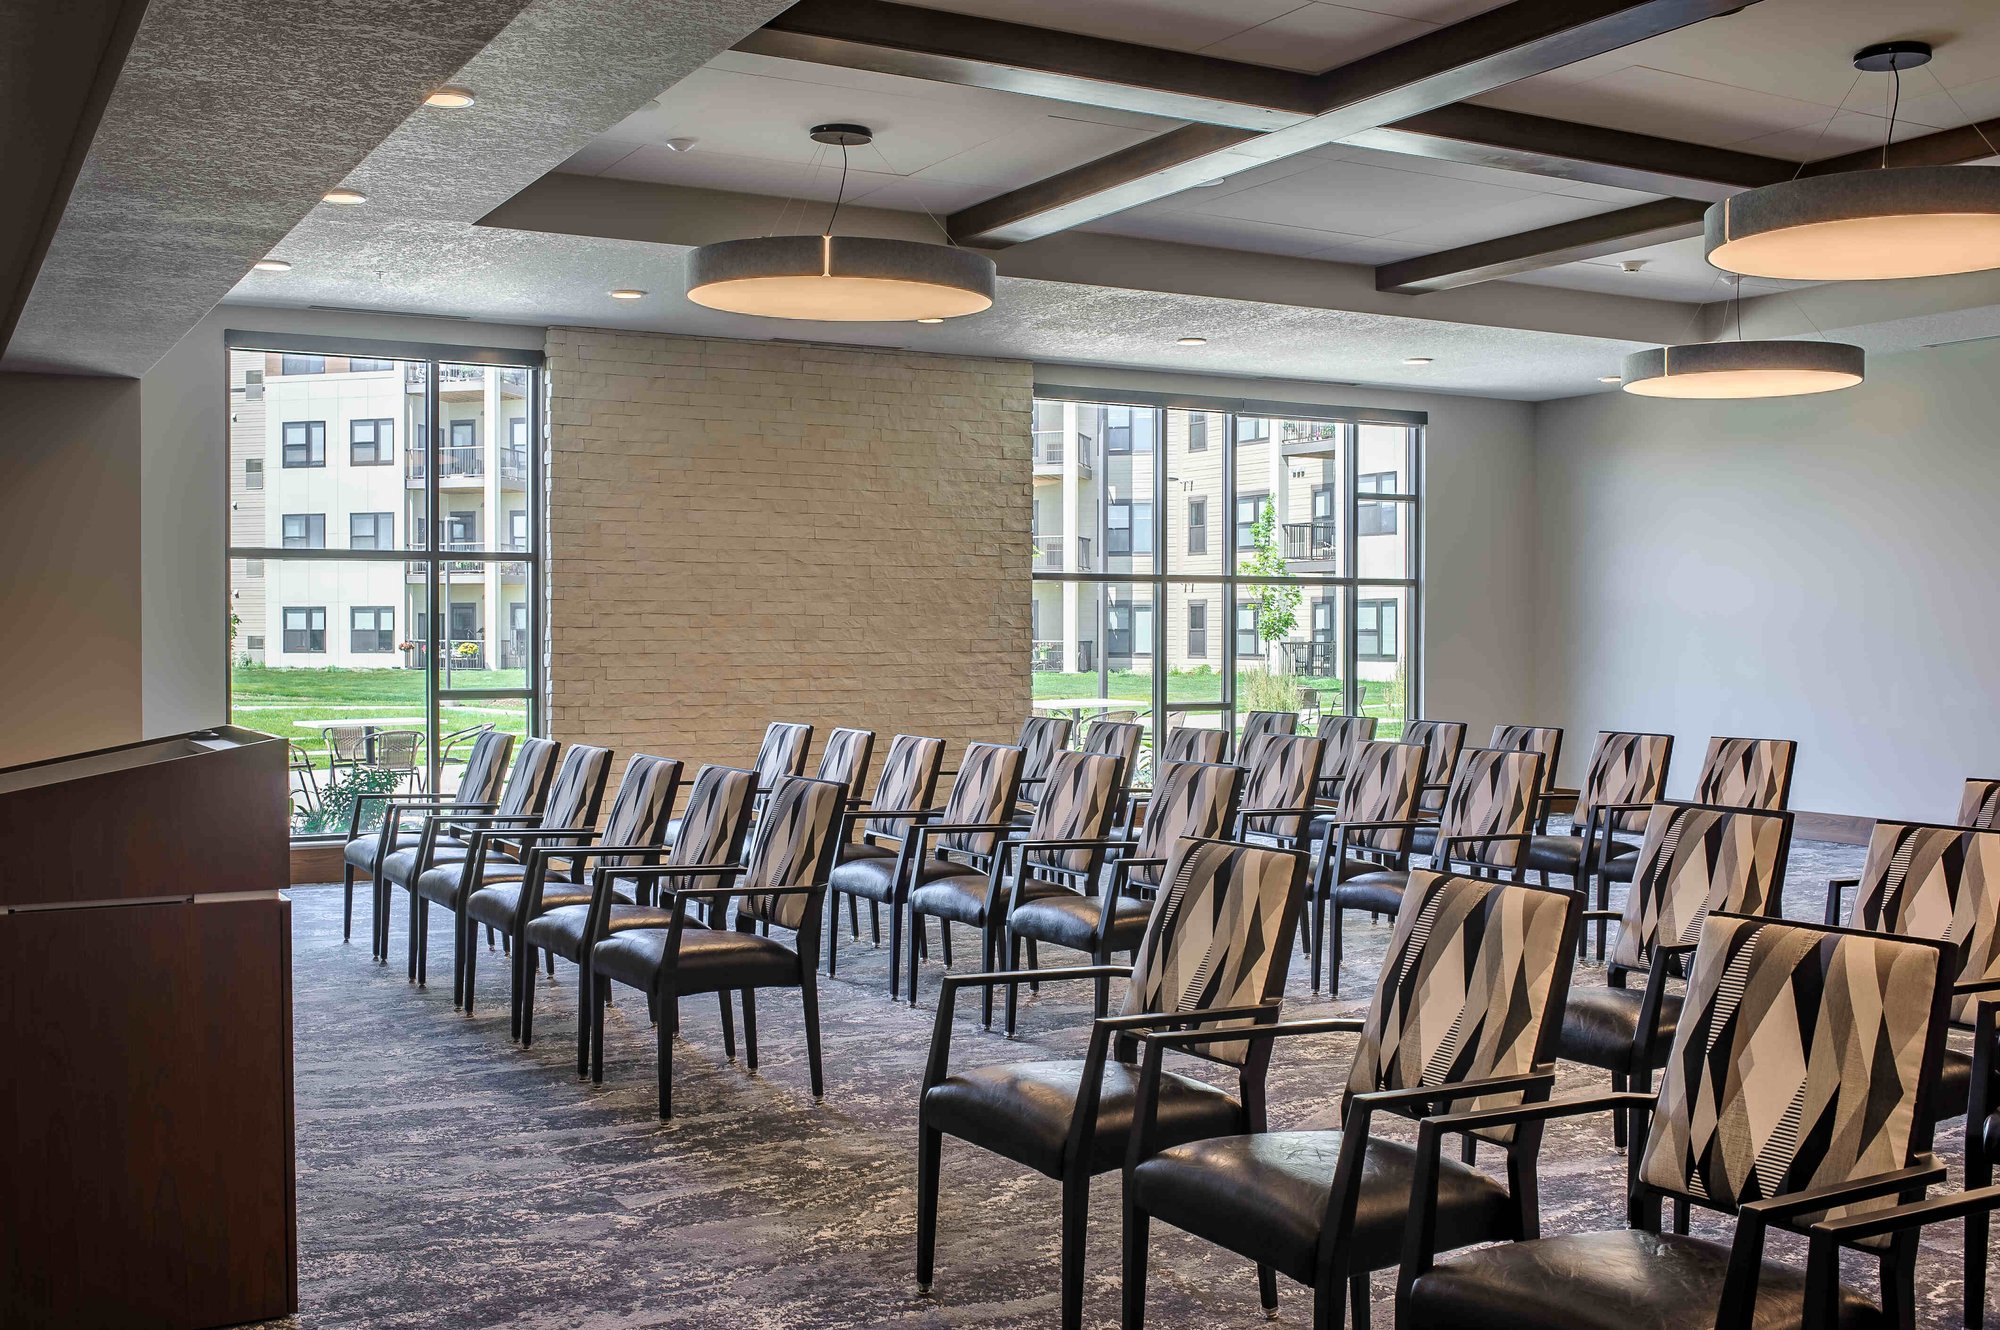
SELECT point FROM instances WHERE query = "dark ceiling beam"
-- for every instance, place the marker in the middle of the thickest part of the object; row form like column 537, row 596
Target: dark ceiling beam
column 1501, row 46
column 1649, row 223
column 1612, row 232
column 943, row 47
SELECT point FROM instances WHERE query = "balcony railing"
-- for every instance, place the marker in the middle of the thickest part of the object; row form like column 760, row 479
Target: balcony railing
column 1317, row 541
column 1052, row 559
column 1049, row 448
column 514, row 465
column 1047, row 656
column 1317, row 659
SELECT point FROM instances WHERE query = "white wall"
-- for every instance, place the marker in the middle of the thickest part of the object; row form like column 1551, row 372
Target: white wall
column 1479, row 533
column 1818, row 568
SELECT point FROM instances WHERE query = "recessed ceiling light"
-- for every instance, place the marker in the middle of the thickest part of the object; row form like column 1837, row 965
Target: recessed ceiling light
column 449, row 99
column 1610, row 378
column 627, row 293
column 1190, row 341
column 930, row 320
column 1417, row 360
column 348, row 197
column 271, row 265
column 679, row 145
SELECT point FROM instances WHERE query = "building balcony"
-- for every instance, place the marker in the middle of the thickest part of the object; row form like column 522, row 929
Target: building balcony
column 1052, row 559
column 1316, row 542
column 1051, row 448
column 1320, row 660
column 1047, row 656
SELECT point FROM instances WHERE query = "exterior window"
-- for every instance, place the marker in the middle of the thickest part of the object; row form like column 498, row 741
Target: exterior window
column 1247, row 646
column 1198, row 434
column 371, row 531
column 517, row 432
column 253, row 473
column 517, row 530
column 301, row 364
column 461, row 530
column 1117, row 430
column 305, row 628
column 1249, row 507
column 303, row 531
column 1375, row 630
column 1376, row 519
column 464, row 621
column 253, row 567
column 252, row 642
column 465, row 434
column 363, row 365
column 1197, row 526
column 1197, row 624
column 305, row 443
column 373, row 629
column 1129, row 629
column 371, row 442
column 1118, row 530
column 1251, row 429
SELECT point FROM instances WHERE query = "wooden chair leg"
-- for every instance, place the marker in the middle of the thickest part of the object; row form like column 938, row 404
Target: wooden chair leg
column 584, row 1004
column 853, row 918
column 944, row 941
column 1358, row 1298
column 467, row 932
column 809, row 999
column 930, row 1145
column 728, row 1026
column 600, row 995
column 916, row 949
column 749, row 1027
column 1138, row 1225
column 347, row 904
column 1075, row 1223
column 528, row 1007
column 670, row 1019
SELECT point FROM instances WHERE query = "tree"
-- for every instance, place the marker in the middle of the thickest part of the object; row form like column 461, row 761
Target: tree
column 1277, row 605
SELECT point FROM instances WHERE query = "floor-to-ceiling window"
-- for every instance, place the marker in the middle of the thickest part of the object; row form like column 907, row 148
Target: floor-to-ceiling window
column 1197, row 560
column 384, row 560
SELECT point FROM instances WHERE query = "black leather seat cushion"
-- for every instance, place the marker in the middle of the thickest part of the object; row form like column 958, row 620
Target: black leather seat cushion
column 1265, row 1197
column 561, row 929
column 440, row 884
column 1620, row 1280
column 1022, row 1110
column 400, row 864
column 1424, row 839
column 1600, row 1023
column 360, row 851
column 495, row 903
column 1559, row 854
column 960, row 896
column 1380, row 891
column 1954, row 1087
column 709, row 959
column 874, row 878
column 1069, row 920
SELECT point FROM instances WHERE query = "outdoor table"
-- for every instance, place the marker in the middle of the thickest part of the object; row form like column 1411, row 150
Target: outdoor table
column 370, row 726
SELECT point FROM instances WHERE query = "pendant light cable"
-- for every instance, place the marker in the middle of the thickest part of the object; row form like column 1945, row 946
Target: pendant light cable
column 840, row 193
column 1895, row 105
column 1970, row 120
column 1820, row 137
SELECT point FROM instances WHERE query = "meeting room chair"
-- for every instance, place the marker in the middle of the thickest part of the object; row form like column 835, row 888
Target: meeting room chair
column 1278, row 791
column 1344, row 737
column 1627, row 770
column 1370, row 832
column 903, row 794
column 1042, row 737
column 1443, row 741
column 1258, row 725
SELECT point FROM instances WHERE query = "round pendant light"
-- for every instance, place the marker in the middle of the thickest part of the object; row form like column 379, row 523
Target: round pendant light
column 1905, row 221
column 840, row 279
column 1744, row 369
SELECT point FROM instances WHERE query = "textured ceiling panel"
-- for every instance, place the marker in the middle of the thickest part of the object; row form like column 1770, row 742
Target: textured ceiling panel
column 229, row 120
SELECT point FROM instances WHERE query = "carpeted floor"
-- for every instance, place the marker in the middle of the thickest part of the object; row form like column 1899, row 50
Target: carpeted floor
column 446, row 1177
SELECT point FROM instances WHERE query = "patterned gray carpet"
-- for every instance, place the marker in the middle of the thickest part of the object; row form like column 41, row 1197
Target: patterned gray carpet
column 449, row 1178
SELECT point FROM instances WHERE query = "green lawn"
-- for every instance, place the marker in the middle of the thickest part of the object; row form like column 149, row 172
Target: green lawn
column 275, row 701
column 1255, row 690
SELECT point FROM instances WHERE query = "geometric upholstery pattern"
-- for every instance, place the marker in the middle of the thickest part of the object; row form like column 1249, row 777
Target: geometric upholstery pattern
column 1979, row 805
column 485, row 768
column 1223, row 921
column 909, row 776
column 1796, row 1062
column 1443, row 740
column 983, row 792
column 1191, row 801
column 1937, row 882
column 783, row 753
column 1694, row 862
column 579, row 784
column 711, row 831
column 1474, row 970
column 639, row 810
column 1078, row 802
column 1190, row 743
column 1544, row 739
column 792, row 834
column 1492, row 795
column 1116, row 739
column 1042, row 737
column 1261, row 724
column 1625, row 768
column 529, row 784
column 845, row 758
column 1381, row 786
column 1283, row 771
column 1747, row 773
column 1344, row 736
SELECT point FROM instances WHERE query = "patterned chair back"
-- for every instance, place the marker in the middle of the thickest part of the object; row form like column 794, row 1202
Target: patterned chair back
column 642, row 806
column 528, row 787
column 1192, row 743
column 988, row 782
column 713, row 826
column 1979, row 805
column 794, row 848
column 485, row 768
column 1493, row 794
column 1117, row 739
column 1747, row 773
column 1382, row 785
column 1042, row 737
column 1079, row 800
column 1443, row 741
column 1699, row 860
column 1801, row 1060
column 1472, row 986
column 1544, row 739
column 578, row 788
column 1930, row 881
column 1344, row 737
column 1258, row 725
column 783, row 753
column 1284, row 771
column 1220, row 935
column 908, row 780
column 1191, row 801
column 1625, row 768
column 844, row 760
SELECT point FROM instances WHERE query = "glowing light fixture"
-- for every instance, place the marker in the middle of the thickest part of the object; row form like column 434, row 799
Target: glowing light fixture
column 271, row 265
column 626, row 293
column 1190, row 341
column 1610, row 378
column 449, row 99
column 1904, row 221
column 1417, row 360
column 841, row 279
column 1744, row 369
column 346, row 197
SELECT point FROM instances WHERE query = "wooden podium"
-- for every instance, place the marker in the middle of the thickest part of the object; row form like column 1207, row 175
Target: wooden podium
column 147, row 1020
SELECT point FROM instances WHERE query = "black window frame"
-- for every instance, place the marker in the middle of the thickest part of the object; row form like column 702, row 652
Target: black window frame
column 1247, row 644
column 1117, row 534
column 312, row 447
column 1197, row 525
column 382, row 447
column 375, row 539
column 290, row 362
column 1376, row 605
column 310, row 634
column 1375, row 517
column 1197, row 432
column 1197, row 630
column 1258, row 499
column 383, row 639
column 309, row 524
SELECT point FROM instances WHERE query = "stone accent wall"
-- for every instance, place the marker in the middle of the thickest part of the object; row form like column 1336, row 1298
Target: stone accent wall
column 743, row 532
